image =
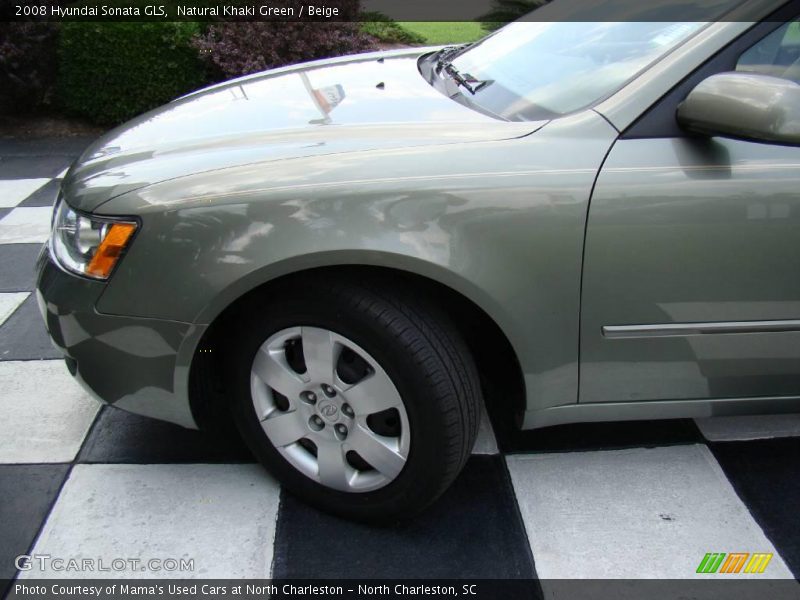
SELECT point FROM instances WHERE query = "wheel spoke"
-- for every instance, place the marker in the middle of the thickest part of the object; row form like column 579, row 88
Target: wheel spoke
column 272, row 369
column 285, row 428
column 376, row 452
column 374, row 394
column 321, row 354
column 333, row 470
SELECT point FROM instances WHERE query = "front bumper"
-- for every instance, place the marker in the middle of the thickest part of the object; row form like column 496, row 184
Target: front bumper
column 139, row 365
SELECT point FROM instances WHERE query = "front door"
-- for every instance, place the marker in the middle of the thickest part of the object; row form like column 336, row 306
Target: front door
column 691, row 286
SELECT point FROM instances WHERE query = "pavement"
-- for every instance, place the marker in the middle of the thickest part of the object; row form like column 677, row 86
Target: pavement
column 589, row 501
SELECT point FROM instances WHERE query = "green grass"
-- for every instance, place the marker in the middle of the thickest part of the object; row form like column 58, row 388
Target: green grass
column 445, row 33
column 383, row 28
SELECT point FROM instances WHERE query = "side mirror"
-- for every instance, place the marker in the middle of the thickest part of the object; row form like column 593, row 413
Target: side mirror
column 747, row 106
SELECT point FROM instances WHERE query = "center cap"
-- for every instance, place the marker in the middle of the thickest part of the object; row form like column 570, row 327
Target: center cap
column 328, row 411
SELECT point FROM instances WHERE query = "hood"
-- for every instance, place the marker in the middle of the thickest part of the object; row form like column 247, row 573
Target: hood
column 357, row 103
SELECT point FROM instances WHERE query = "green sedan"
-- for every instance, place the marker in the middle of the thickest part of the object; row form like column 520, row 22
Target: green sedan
column 571, row 221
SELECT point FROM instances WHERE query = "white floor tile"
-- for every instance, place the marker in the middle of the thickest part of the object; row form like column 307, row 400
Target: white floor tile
column 643, row 513
column 44, row 412
column 221, row 516
column 725, row 429
column 9, row 302
column 26, row 225
column 14, row 191
column 486, row 442
column 62, row 174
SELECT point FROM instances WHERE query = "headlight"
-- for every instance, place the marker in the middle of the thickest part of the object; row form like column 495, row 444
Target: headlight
column 88, row 246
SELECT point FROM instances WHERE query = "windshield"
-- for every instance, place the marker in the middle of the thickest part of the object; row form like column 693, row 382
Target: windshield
column 531, row 71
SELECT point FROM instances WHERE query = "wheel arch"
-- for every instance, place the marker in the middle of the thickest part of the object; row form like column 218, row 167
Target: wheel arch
column 491, row 347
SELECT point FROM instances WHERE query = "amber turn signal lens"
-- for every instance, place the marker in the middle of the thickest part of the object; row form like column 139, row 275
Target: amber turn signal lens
column 110, row 249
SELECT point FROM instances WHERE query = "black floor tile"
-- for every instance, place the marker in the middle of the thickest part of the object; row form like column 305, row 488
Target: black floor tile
column 32, row 167
column 26, row 494
column 121, row 437
column 17, row 264
column 24, row 337
column 766, row 475
column 473, row 531
column 4, row 212
column 44, row 196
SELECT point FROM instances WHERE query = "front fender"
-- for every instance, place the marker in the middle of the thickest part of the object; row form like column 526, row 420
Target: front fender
column 500, row 222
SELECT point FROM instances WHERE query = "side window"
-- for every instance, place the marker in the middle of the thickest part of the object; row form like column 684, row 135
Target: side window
column 777, row 54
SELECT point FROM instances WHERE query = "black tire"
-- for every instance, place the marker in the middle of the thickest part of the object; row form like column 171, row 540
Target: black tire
column 414, row 341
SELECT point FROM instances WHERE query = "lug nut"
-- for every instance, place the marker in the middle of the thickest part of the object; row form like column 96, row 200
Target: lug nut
column 329, row 391
column 316, row 423
column 310, row 397
column 341, row 431
column 348, row 412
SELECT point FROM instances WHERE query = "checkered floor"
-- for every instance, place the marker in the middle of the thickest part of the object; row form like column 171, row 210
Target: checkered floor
column 627, row 500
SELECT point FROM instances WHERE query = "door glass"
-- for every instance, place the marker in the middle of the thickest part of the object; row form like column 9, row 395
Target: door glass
column 778, row 54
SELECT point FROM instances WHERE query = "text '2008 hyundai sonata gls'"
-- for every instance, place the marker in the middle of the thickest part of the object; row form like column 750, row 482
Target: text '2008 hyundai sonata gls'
column 602, row 218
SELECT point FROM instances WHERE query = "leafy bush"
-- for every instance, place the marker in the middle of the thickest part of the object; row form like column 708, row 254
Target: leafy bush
column 111, row 72
column 240, row 48
column 27, row 65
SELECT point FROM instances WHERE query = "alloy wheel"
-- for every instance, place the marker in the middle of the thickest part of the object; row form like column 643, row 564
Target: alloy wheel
column 330, row 409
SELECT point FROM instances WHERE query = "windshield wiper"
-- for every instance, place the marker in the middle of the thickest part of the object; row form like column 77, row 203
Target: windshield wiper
column 444, row 63
column 456, row 76
column 467, row 81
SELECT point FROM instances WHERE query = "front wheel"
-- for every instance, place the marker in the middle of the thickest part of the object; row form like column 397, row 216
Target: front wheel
column 357, row 398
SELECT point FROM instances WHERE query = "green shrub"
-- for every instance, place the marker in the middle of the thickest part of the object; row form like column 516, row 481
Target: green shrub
column 27, row 65
column 111, row 72
column 240, row 48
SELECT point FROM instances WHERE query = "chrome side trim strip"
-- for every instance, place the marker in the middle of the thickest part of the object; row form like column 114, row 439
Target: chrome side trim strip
column 685, row 329
column 593, row 412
